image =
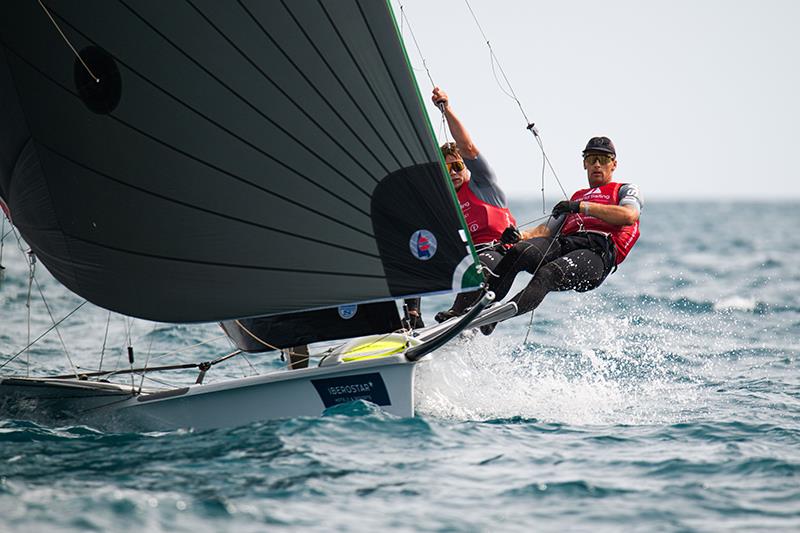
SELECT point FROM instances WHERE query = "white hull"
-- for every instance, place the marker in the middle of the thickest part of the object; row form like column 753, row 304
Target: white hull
column 387, row 382
column 378, row 369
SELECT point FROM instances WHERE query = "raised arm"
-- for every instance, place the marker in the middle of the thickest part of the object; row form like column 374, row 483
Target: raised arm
column 457, row 129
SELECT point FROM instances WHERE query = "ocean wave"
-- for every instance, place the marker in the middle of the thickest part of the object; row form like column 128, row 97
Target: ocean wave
column 557, row 489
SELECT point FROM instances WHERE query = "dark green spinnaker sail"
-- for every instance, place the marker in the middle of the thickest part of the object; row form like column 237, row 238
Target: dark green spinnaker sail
column 235, row 159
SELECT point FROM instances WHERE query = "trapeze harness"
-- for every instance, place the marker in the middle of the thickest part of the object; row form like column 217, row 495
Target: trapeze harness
column 485, row 221
column 623, row 237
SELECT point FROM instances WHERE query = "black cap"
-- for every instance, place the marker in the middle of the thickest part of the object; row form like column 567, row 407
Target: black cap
column 601, row 145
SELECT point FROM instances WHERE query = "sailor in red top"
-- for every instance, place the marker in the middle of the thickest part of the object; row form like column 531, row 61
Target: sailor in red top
column 582, row 242
column 482, row 201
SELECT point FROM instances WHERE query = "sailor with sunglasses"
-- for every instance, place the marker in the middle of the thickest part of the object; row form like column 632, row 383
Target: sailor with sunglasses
column 585, row 239
column 482, row 201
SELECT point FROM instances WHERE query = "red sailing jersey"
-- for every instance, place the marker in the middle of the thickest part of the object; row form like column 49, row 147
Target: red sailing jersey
column 624, row 237
column 485, row 221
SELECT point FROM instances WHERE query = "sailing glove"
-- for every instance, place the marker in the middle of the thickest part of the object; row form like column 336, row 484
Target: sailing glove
column 510, row 235
column 565, row 206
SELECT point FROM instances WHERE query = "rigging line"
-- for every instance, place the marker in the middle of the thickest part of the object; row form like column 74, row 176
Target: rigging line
column 31, row 270
column 549, row 164
column 252, row 366
column 535, row 270
column 42, row 335
column 185, row 348
column 366, row 80
column 58, row 332
column 357, row 105
column 319, row 93
column 30, row 257
column 290, row 99
column 210, row 211
column 530, row 325
column 131, row 358
column 416, row 44
column 262, row 341
column 496, row 60
column 208, row 119
column 443, row 124
column 289, row 352
column 2, row 240
column 512, row 94
column 245, row 101
column 409, row 78
column 128, row 321
column 147, row 359
column 403, row 36
column 544, row 206
column 534, row 220
column 205, row 367
column 160, row 382
column 95, row 78
column 105, row 338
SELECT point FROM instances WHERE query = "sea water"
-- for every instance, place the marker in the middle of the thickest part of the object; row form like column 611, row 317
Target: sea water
column 666, row 400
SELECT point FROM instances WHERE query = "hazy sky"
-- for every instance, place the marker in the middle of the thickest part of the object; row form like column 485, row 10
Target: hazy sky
column 701, row 98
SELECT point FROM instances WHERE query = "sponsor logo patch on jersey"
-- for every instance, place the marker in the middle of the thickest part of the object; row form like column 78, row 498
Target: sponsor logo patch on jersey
column 422, row 244
column 348, row 311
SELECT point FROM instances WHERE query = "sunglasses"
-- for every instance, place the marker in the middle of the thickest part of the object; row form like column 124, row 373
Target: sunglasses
column 455, row 166
column 596, row 158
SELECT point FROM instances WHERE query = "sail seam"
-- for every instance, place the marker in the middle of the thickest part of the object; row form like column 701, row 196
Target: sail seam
column 215, row 263
column 425, row 149
column 220, row 126
column 297, row 105
column 202, row 209
column 338, row 79
column 198, row 160
column 368, row 84
column 244, row 100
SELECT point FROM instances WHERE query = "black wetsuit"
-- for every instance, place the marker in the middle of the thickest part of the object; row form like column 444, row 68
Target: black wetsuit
column 579, row 261
column 574, row 262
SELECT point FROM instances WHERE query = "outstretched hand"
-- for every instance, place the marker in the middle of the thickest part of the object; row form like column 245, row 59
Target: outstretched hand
column 511, row 235
column 440, row 97
column 565, row 206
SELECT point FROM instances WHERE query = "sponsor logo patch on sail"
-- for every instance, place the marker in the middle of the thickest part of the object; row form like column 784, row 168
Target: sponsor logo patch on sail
column 422, row 244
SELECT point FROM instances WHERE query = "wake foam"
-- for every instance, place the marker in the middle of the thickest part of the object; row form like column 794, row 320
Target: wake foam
column 596, row 371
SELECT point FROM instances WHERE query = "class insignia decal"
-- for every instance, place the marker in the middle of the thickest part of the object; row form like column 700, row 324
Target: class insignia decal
column 348, row 311
column 422, row 244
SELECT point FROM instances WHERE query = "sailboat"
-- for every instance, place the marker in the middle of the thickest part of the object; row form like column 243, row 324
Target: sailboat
column 242, row 162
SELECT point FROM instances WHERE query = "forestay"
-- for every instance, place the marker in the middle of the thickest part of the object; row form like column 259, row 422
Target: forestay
column 235, row 158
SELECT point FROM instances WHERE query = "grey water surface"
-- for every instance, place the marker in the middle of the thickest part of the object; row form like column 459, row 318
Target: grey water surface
column 666, row 400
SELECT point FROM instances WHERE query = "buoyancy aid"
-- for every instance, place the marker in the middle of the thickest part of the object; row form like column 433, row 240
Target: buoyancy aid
column 485, row 221
column 624, row 237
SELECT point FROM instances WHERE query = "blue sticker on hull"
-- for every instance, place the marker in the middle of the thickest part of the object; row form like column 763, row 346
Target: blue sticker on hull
column 336, row 391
